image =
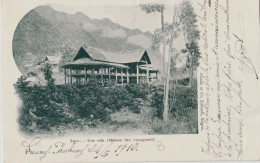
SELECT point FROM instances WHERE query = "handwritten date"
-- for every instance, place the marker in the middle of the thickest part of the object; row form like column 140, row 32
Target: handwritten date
column 95, row 150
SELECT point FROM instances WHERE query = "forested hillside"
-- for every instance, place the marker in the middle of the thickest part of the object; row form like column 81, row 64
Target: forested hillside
column 44, row 31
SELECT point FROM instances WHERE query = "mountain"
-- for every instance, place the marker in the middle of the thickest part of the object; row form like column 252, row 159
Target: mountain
column 44, row 31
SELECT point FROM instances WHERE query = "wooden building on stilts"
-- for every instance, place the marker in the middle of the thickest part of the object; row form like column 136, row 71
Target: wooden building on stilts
column 110, row 67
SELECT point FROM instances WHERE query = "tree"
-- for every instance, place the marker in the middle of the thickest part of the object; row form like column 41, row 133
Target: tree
column 21, row 84
column 174, row 32
column 169, row 32
column 67, row 53
column 150, row 8
column 46, row 69
column 189, row 26
column 192, row 59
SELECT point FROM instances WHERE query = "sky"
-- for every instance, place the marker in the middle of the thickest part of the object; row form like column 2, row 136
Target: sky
column 128, row 15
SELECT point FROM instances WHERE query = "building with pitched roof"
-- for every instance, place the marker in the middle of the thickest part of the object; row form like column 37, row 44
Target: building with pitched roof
column 54, row 60
column 109, row 66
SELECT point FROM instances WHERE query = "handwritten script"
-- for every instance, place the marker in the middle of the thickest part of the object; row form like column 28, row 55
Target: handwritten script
column 223, row 67
column 94, row 148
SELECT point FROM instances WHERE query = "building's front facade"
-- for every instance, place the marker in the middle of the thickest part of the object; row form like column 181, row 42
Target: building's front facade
column 110, row 67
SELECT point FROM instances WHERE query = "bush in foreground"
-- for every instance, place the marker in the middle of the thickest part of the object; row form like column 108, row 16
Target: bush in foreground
column 94, row 109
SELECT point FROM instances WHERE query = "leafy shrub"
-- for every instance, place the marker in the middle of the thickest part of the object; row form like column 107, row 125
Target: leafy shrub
column 57, row 108
column 47, row 71
column 138, row 90
column 182, row 97
column 184, row 81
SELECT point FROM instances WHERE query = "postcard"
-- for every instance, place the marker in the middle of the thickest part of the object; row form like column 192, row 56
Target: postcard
column 130, row 81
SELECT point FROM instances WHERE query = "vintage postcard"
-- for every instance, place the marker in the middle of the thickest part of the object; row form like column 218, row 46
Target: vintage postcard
column 130, row 81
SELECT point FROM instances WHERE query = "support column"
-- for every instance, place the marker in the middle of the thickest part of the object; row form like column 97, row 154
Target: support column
column 116, row 75
column 122, row 78
column 127, row 75
column 85, row 69
column 65, row 76
column 70, row 76
column 101, row 77
column 147, row 72
column 109, row 77
column 137, row 73
column 93, row 73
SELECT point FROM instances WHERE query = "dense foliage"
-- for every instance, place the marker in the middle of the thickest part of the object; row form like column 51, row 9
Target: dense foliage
column 50, row 108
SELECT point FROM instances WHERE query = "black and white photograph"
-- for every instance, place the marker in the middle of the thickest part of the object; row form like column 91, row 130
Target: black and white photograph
column 129, row 81
column 105, row 70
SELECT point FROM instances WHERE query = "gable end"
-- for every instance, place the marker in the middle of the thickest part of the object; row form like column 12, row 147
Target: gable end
column 81, row 54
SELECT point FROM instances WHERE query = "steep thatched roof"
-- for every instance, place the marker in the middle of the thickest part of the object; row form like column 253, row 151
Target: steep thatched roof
column 111, row 56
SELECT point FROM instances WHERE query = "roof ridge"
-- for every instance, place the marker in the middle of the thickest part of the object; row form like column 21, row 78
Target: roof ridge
column 112, row 51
